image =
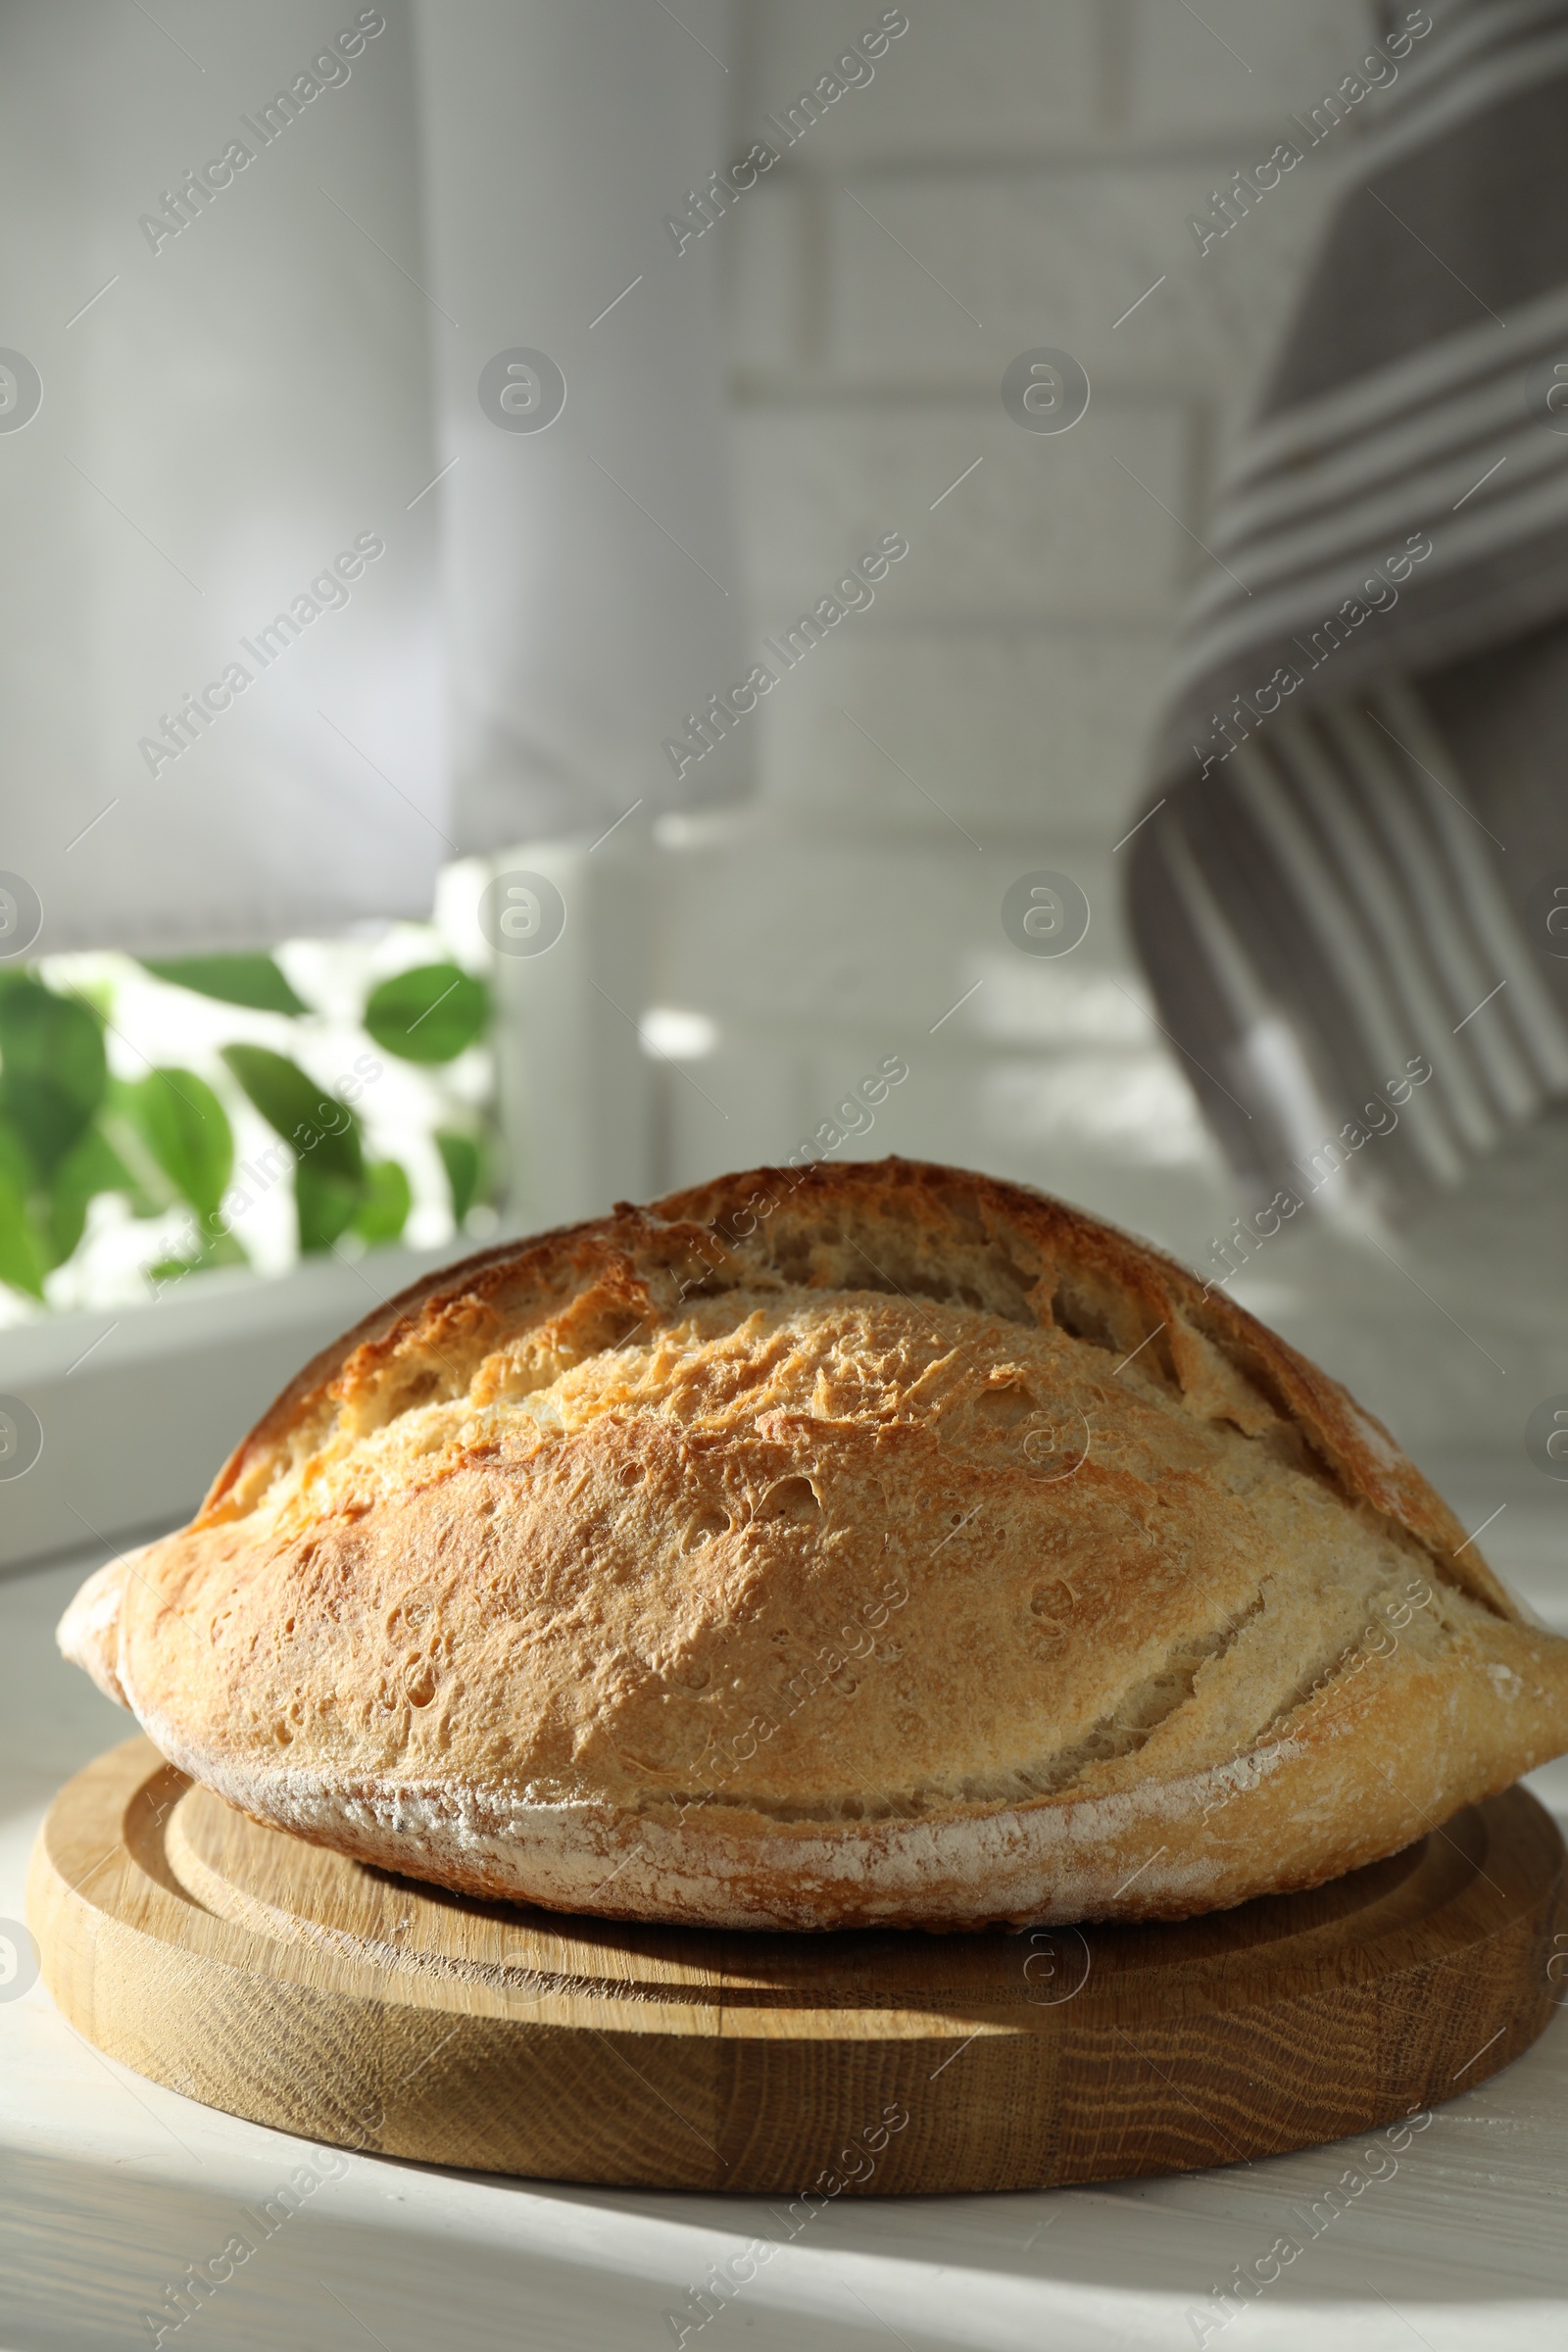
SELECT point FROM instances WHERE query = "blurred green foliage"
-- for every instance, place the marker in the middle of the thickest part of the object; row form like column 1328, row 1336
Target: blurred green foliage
column 253, row 980
column 462, row 1157
column 70, row 1131
column 429, row 1014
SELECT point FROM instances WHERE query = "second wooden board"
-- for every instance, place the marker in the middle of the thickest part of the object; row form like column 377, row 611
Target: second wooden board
column 280, row 1981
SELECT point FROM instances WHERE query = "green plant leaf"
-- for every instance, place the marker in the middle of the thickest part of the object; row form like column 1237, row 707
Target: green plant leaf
column 24, row 1254
column 92, row 1166
column 15, row 1165
column 321, row 1131
column 186, row 1129
column 52, row 1070
column 253, row 980
column 24, row 1260
column 384, row 1203
column 147, row 1188
column 460, row 1158
column 324, row 1203
column 428, row 1015
column 66, row 1218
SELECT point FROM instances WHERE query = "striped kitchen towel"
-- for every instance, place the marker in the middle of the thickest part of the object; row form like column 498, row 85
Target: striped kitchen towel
column 1350, row 888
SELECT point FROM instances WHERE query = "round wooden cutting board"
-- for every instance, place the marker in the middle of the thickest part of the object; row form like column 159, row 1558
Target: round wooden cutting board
column 285, row 1983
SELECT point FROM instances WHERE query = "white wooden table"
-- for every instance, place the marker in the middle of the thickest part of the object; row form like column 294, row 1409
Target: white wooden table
column 111, row 2186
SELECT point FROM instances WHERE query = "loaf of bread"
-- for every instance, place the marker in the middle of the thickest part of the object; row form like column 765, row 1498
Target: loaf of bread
column 875, row 1545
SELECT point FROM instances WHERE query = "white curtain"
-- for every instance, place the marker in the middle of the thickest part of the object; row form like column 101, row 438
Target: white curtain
column 591, row 587
column 257, row 675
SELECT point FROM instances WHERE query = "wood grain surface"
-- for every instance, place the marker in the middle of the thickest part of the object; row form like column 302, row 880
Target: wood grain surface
column 285, row 1983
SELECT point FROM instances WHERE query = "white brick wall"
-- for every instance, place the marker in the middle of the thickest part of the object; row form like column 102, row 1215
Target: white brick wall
column 1241, row 68
column 1054, row 257
column 1040, row 528
column 985, row 723
column 970, row 77
column 1040, row 159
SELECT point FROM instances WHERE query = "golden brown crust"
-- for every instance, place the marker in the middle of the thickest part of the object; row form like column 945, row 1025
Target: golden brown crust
column 877, row 1542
